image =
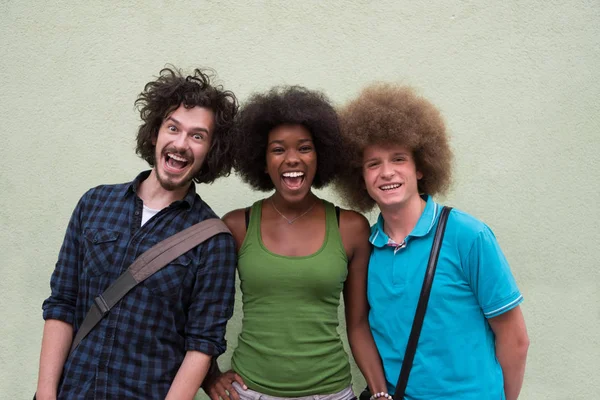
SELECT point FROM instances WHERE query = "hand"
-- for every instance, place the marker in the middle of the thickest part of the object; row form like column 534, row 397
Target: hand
column 221, row 386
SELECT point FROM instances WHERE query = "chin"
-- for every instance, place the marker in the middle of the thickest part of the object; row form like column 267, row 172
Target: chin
column 294, row 196
column 170, row 184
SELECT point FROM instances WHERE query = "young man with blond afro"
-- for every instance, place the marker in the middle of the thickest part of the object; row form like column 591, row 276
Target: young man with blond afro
column 473, row 343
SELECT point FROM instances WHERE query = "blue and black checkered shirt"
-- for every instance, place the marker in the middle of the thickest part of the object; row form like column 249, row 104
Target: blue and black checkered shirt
column 136, row 350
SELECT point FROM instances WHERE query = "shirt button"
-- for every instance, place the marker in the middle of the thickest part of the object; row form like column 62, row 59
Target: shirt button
column 137, row 212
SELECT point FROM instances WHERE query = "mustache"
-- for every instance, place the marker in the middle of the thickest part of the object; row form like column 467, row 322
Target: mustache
column 187, row 154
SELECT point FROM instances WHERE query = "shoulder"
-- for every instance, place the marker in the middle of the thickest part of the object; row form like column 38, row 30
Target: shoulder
column 203, row 209
column 102, row 192
column 465, row 225
column 354, row 221
column 235, row 219
column 101, row 195
column 349, row 220
column 471, row 235
column 236, row 222
column 354, row 230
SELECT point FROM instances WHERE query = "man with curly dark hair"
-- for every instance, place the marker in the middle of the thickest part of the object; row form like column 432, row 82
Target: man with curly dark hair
column 158, row 341
column 473, row 342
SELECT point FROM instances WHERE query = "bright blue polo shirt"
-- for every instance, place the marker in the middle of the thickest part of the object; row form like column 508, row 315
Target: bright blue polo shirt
column 456, row 356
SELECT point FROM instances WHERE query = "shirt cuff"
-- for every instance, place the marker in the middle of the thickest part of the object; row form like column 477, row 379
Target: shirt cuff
column 204, row 346
column 503, row 306
column 59, row 313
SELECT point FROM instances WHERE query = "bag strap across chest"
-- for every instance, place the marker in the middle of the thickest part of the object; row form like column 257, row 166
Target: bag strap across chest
column 148, row 263
column 415, row 331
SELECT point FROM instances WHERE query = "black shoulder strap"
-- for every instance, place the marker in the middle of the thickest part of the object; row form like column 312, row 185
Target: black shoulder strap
column 415, row 331
column 337, row 215
column 247, row 216
column 144, row 266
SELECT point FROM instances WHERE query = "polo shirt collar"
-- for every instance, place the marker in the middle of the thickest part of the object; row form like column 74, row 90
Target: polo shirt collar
column 133, row 186
column 424, row 225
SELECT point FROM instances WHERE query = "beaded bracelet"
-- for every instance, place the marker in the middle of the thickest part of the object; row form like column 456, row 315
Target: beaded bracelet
column 380, row 394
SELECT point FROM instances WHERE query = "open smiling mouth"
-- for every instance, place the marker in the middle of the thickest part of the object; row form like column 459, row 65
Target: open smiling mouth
column 175, row 162
column 293, row 180
column 389, row 187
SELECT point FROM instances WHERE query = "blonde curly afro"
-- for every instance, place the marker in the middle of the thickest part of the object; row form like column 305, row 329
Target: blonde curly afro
column 390, row 114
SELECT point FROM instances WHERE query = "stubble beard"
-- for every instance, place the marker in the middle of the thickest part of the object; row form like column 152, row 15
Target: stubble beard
column 167, row 183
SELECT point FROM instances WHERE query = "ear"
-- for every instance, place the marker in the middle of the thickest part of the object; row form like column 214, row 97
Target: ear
column 154, row 137
column 419, row 175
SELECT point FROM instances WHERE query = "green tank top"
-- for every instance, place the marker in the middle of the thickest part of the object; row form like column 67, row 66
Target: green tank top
column 290, row 345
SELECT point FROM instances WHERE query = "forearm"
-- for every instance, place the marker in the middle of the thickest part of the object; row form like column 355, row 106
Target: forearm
column 190, row 376
column 56, row 341
column 512, row 357
column 212, row 374
column 366, row 356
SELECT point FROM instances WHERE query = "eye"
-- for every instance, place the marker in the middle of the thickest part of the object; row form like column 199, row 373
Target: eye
column 306, row 149
column 372, row 164
column 172, row 128
column 198, row 137
column 277, row 150
column 399, row 159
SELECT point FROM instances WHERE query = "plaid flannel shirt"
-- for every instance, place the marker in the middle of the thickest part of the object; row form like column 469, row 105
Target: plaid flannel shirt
column 136, row 350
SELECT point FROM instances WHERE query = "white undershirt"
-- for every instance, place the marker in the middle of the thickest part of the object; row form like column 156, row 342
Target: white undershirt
column 148, row 213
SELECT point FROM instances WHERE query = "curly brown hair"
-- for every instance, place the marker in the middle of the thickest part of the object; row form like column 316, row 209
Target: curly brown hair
column 385, row 114
column 293, row 105
column 172, row 89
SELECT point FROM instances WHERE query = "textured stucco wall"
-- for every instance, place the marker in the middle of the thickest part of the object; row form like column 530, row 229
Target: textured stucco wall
column 518, row 82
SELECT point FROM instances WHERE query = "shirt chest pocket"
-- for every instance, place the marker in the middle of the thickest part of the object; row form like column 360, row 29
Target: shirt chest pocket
column 168, row 281
column 101, row 250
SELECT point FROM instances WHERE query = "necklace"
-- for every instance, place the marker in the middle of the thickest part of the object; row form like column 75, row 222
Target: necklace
column 291, row 221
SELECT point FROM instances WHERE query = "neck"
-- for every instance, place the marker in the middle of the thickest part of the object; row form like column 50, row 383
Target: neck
column 399, row 221
column 293, row 207
column 155, row 196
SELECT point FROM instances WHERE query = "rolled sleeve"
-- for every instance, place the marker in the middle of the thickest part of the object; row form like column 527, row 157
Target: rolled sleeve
column 64, row 282
column 213, row 297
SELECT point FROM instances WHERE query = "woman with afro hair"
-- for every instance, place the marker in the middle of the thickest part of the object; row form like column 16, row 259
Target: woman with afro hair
column 473, row 342
column 296, row 254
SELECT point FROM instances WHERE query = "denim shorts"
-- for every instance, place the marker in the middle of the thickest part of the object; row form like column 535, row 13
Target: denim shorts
column 249, row 394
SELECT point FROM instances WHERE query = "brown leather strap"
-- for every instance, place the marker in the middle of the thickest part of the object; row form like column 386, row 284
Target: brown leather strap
column 151, row 261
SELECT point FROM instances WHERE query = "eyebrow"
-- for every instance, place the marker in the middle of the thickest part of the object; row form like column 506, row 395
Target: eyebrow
column 278, row 141
column 193, row 129
column 398, row 153
column 371, row 159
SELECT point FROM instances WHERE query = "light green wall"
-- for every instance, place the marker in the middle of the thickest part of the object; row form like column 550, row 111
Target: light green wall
column 518, row 82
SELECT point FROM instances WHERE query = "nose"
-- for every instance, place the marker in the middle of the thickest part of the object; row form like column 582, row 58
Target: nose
column 180, row 141
column 291, row 157
column 387, row 170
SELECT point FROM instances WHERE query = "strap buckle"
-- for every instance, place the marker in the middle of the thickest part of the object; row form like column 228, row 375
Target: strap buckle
column 101, row 305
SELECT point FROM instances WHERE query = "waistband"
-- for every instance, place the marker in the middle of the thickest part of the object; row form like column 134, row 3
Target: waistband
column 249, row 394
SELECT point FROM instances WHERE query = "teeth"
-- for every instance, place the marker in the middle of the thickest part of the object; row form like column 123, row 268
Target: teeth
column 176, row 157
column 389, row 187
column 293, row 174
